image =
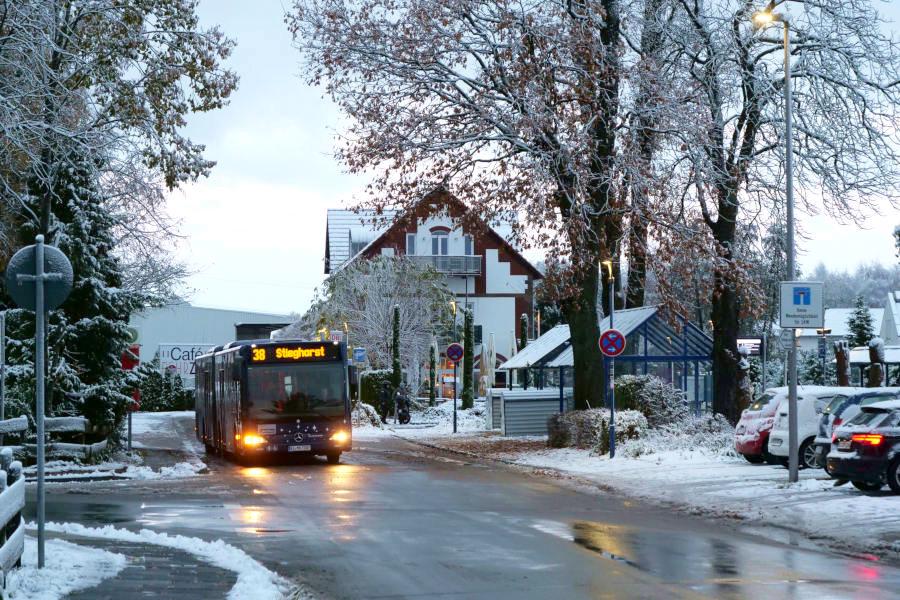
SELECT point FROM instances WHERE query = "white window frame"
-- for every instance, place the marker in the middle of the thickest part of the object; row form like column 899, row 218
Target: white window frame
column 469, row 245
column 440, row 243
column 410, row 243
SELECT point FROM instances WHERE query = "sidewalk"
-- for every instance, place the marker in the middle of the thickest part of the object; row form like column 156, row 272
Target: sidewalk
column 154, row 572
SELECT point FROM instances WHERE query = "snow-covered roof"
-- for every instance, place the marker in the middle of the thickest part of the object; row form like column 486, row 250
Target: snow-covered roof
column 860, row 355
column 538, row 349
column 894, row 300
column 836, row 320
column 348, row 232
column 625, row 321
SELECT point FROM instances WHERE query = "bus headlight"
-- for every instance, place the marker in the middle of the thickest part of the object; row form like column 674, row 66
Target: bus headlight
column 340, row 437
column 252, row 440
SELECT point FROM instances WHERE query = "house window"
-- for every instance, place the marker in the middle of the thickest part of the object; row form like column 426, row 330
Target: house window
column 410, row 243
column 470, row 245
column 439, row 245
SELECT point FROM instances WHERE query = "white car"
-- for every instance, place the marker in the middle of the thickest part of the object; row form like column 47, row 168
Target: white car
column 811, row 399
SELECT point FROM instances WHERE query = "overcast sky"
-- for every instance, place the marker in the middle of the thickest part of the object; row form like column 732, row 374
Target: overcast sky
column 254, row 231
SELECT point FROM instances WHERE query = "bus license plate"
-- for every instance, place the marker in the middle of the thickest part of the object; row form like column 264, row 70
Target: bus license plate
column 303, row 448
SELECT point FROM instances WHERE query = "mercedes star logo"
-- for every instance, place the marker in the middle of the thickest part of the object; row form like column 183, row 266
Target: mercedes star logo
column 298, row 437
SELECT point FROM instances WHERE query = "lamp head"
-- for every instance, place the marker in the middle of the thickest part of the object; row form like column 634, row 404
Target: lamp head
column 762, row 18
column 609, row 268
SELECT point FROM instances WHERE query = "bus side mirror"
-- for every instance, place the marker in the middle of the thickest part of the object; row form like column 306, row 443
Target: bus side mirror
column 236, row 368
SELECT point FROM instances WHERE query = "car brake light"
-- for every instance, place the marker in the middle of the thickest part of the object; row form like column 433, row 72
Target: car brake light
column 869, row 439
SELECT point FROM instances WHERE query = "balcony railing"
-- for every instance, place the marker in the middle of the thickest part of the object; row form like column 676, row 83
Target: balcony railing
column 451, row 265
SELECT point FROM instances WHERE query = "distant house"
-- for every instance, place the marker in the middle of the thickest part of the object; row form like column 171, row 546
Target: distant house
column 836, row 320
column 482, row 269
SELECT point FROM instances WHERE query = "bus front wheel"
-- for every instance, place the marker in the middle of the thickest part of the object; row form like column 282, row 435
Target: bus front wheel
column 333, row 458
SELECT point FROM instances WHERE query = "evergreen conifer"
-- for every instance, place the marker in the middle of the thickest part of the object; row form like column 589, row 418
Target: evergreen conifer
column 862, row 328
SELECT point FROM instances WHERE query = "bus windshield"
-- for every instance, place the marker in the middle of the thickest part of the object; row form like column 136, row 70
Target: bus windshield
column 280, row 391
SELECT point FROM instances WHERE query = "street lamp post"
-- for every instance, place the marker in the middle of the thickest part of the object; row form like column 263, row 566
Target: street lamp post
column 612, row 361
column 760, row 20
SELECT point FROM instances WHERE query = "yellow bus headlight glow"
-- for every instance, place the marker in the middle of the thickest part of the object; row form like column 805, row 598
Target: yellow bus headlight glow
column 340, row 436
column 253, row 440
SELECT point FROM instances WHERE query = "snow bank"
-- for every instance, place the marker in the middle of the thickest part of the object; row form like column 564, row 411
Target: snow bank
column 177, row 471
column 438, row 420
column 68, row 568
column 253, row 579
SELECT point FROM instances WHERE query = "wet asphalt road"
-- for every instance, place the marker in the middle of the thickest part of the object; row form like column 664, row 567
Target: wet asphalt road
column 396, row 521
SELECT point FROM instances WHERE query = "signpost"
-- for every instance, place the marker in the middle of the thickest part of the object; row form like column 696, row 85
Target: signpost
column 359, row 355
column 39, row 278
column 802, row 306
column 612, row 344
column 454, row 354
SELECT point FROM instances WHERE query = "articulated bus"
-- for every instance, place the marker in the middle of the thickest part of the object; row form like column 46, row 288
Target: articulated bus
column 254, row 399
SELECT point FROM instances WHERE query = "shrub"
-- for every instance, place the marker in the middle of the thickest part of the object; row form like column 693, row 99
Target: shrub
column 657, row 400
column 369, row 384
column 709, row 433
column 589, row 429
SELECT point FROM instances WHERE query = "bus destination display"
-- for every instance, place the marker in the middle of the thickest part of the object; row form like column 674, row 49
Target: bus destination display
column 294, row 353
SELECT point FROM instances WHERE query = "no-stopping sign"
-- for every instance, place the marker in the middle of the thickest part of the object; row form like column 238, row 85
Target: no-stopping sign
column 612, row 342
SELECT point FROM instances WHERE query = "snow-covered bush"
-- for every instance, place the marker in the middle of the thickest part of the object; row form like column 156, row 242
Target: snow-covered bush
column 370, row 383
column 657, row 400
column 589, row 429
column 365, row 415
column 710, row 433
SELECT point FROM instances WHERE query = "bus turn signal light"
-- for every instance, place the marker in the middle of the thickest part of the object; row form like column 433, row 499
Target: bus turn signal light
column 253, row 440
column 340, row 436
column 868, row 439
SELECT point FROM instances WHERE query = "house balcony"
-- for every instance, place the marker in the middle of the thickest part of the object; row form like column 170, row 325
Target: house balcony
column 450, row 265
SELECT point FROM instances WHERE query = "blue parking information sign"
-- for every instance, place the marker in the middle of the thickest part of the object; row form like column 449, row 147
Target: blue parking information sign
column 359, row 355
column 802, row 305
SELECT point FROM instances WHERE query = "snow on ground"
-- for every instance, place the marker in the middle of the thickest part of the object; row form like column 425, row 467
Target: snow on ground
column 253, row 579
column 68, row 568
column 433, row 421
column 703, row 482
column 60, row 470
column 156, row 422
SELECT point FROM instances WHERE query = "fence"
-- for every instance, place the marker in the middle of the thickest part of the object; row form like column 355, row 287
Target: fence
column 12, row 501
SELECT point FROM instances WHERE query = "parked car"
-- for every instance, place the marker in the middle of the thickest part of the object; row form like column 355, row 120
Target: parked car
column 866, row 449
column 843, row 408
column 811, row 400
column 752, row 432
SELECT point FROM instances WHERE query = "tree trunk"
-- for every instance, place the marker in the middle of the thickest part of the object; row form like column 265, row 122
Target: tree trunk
column 581, row 314
column 637, row 263
column 727, row 377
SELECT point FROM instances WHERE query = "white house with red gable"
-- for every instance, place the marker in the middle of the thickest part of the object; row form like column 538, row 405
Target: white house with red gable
column 482, row 269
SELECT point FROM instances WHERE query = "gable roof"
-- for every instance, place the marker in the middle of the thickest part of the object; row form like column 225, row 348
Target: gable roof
column 441, row 195
column 344, row 229
column 894, row 301
column 836, row 321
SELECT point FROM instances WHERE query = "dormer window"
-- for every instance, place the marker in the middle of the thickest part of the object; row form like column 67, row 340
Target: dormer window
column 439, row 243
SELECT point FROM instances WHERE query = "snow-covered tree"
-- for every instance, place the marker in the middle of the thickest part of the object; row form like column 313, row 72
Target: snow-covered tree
column 860, row 323
column 363, row 295
column 844, row 71
column 88, row 333
column 109, row 84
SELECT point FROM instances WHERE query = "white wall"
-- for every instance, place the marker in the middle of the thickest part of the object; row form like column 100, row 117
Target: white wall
column 498, row 279
column 186, row 324
column 497, row 315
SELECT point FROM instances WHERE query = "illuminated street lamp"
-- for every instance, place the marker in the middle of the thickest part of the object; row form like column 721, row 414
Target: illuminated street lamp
column 761, row 20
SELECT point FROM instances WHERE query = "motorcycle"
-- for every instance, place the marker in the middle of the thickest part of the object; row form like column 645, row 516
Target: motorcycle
column 403, row 416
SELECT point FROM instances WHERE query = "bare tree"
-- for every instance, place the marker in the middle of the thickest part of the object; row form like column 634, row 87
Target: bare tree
column 514, row 105
column 845, row 72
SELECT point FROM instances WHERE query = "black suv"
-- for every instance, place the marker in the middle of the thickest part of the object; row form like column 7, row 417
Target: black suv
column 866, row 450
